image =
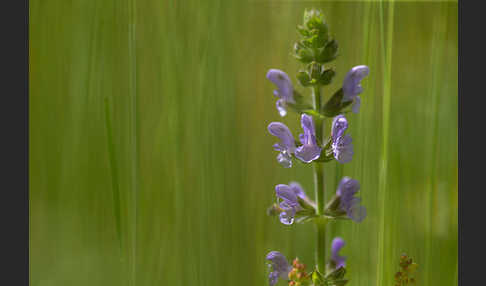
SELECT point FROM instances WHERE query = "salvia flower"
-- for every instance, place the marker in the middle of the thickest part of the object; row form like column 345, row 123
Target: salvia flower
column 309, row 150
column 286, row 146
column 279, row 265
column 284, row 91
column 352, row 86
column 348, row 202
column 342, row 145
column 288, row 202
column 337, row 244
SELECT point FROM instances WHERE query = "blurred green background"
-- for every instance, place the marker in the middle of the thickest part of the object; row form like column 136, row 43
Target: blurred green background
column 150, row 161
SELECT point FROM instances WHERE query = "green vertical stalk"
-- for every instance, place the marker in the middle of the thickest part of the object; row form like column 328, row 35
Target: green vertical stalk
column 114, row 176
column 387, row 58
column 319, row 188
column 134, row 134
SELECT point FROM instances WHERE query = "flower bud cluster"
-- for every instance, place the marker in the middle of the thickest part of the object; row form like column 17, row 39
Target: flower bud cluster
column 298, row 276
column 407, row 270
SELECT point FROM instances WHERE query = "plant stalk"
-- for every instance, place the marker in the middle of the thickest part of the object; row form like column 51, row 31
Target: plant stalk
column 319, row 188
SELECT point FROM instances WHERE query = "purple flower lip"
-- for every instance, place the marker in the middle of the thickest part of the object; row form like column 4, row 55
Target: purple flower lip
column 279, row 265
column 348, row 202
column 284, row 91
column 309, row 151
column 286, row 146
column 336, row 246
column 339, row 126
column 352, row 86
column 342, row 144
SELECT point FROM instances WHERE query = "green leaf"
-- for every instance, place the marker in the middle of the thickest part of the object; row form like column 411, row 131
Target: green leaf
column 317, row 277
column 334, row 105
column 328, row 53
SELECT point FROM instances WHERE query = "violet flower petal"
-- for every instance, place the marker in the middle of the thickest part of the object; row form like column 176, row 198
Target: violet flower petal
column 339, row 126
column 336, row 246
column 357, row 213
column 281, row 107
column 309, row 151
column 284, row 159
column 286, row 194
column 281, row 131
column 356, row 104
column 298, row 190
column 352, row 82
column 284, row 85
column 279, row 265
column 343, row 149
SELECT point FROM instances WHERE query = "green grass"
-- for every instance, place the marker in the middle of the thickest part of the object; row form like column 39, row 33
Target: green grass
column 150, row 162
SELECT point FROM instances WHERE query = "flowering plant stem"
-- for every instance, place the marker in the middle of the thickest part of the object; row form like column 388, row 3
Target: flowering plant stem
column 314, row 147
column 319, row 188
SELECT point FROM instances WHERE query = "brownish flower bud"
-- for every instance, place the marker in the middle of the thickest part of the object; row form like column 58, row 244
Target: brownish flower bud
column 295, row 263
column 293, row 274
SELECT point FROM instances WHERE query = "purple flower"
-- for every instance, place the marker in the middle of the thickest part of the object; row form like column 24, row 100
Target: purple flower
column 342, row 145
column 348, row 202
column 352, row 86
column 336, row 246
column 288, row 202
column 309, row 151
column 280, row 267
column 284, row 91
column 286, row 146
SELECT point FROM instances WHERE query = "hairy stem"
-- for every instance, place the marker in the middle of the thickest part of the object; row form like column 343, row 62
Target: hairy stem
column 319, row 188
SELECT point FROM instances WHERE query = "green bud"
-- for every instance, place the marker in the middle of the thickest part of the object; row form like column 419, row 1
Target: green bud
column 332, row 206
column 325, row 77
column 303, row 31
column 336, row 274
column 303, row 53
column 314, row 19
column 304, row 78
column 317, row 277
column 273, row 210
column 328, row 53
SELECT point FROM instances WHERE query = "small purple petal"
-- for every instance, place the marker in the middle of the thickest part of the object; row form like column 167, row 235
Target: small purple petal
column 356, row 104
column 307, row 124
column 357, row 213
column 283, row 83
column 287, row 217
column 309, row 151
column 339, row 126
column 280, row 267
column 286, row 194
column 281, row 107
column 348, row 202
column 336, row 246
column 298, row 190
column 273, row 278
column 284, row 159
column 343, row 149
column 281, row 131
column 352, row 82
column 347, row 186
